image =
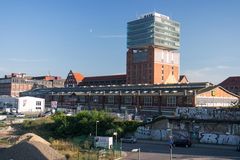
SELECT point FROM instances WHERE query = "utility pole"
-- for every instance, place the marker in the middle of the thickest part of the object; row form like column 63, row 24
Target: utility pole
column 138, row 153
column 96, row 127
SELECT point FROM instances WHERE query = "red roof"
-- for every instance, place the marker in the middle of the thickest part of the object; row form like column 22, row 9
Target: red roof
column 78, row 76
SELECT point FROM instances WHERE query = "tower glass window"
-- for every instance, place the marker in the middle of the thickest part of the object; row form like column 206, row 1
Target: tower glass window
column 153, row 29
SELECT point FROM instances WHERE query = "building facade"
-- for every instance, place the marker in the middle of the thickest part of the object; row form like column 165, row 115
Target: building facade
column 152, row 99
column 75, row 79
column 104, row 80
column 15, row 83
column 153, row 41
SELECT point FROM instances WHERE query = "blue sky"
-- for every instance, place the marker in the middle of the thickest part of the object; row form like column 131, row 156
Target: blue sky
column 53, row 36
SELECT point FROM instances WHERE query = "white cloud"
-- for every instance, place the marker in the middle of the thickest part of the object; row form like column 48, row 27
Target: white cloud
column 210, row 74
column 223, row 67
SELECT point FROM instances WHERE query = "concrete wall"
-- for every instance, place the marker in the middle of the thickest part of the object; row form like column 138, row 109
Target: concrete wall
column 159, row 134
column 215, row 138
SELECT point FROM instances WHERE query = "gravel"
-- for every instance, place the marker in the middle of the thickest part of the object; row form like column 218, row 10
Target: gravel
column 32, row 148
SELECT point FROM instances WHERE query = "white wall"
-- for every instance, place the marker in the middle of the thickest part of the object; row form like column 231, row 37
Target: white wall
column 30, row 105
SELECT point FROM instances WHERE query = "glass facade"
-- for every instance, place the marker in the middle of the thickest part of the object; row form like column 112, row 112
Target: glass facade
column 153, row 30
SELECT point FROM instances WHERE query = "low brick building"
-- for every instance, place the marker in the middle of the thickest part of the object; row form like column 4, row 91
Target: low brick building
column 142, row 98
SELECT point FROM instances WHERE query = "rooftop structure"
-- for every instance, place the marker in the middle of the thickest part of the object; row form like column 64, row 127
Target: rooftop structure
column 153, row 29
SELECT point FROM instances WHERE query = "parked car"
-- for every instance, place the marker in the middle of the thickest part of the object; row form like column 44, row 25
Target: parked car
column 69, row 113
column 20, row 115
column 48, row 113
column 182, row 142
column 130, row 139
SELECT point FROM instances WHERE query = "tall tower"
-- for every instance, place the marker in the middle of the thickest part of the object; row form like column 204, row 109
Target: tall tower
column 153, row 43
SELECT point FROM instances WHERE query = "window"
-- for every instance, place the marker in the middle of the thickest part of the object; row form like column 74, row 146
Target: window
column 128, row 100
column 38, row 103
column 155, row 99
column 147, row 100
column 95, row 99
column 171, row 101
column 82, row 99
column 189, row 100
column 111, row 99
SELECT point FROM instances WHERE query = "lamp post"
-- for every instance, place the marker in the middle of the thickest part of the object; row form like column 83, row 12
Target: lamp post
column 115, row 134
column 96, row 127
column 121, row 147
column 137, row 150
column 170, row 140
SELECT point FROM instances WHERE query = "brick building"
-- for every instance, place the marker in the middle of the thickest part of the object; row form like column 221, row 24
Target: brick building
column 15, row 83
column 153, row 43
column 104, row 80
column 77, row 79
column 73, row 79
column 143, row 98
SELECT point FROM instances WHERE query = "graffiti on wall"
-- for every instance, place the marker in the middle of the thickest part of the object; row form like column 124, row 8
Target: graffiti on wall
column 208, row 113
column 215, row 138
column 159, row 134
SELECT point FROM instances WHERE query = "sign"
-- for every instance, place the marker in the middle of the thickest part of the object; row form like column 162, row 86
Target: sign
column 53, row 104
column 103, row 142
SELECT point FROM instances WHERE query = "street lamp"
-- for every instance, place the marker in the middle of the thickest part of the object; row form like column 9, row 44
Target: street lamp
column 96, row 128
column 170, row 140
column 137, row 150
column 115, row 134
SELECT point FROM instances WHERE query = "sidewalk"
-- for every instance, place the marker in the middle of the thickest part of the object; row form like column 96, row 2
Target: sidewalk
column 231, row 147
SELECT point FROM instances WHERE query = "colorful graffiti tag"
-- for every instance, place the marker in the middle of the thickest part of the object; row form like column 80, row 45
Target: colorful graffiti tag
column 215, row 138
column 159, row 134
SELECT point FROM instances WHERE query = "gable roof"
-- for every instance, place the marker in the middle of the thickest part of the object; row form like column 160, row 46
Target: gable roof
column 231, row 81
column 182, row 78
column 213, row 87
column 78, row 76
column 105, row 78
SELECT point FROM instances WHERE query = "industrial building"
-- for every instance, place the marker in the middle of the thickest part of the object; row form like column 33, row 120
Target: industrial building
column 77, row 79
column 141, row 98
column 15, row 83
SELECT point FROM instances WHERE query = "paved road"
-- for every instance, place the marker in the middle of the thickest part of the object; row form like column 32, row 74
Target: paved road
column 151, row 151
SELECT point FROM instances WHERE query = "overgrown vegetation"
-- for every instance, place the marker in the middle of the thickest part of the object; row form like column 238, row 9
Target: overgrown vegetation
column 61, row 126
column 73, row 135
column 84, row 123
